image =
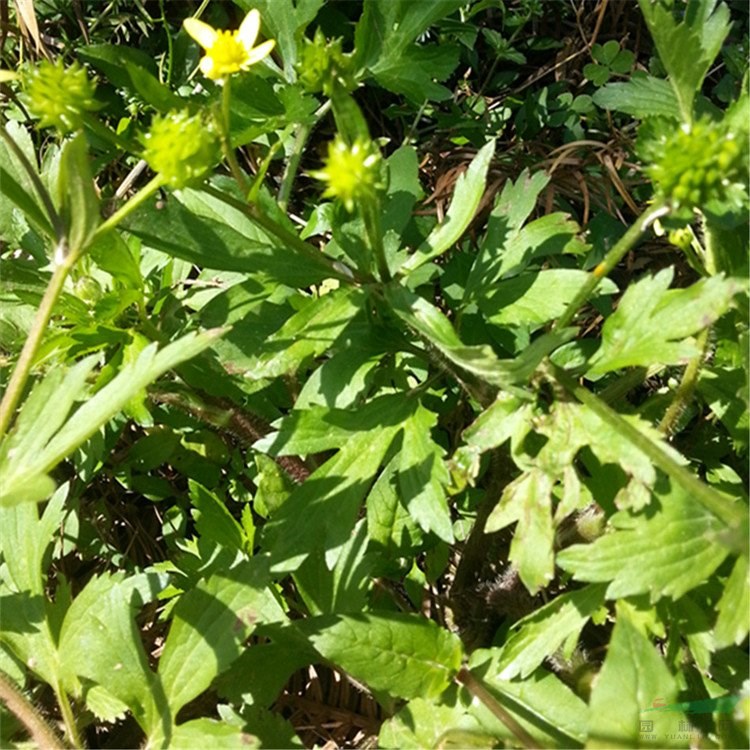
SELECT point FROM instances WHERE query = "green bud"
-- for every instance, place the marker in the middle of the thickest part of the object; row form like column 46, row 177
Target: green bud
column 698, row 163
column 181, row 147
column 321, row 62
column 59, row 96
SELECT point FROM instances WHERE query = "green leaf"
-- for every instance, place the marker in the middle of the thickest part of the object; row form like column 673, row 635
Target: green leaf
column 25, row 538
column 212, row 733
column 320, row 429
column 642, row 96
column 415, row 71
column 528, row 500
column 422, row 723
column 687, row 49
column 533, row 299
column 388, row 29
column 466, row 197
column 632, row 678
column 343, row 589
column 26, row 456
column 284, row 21
column 732, row 623
column 308, row 333
column 652, row 323
column 18, row 186
column 214, row 521
column 100, row 641
column 76, row 193
column 404, row 655
column 210, row 624
column 544, row 706
column 433, row 326
column 663, row 553
column 423, row 477
column 203, row 230
column 390, row 527
column 133, row 70
column 544, row 631
column 321, row 513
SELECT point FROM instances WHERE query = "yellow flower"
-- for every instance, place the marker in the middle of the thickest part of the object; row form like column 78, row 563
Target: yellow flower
column 228, row 52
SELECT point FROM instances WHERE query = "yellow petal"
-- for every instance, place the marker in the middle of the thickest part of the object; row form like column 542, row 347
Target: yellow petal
column 207, row 67
column 259, row 52
column 249, row 28
column 204, row 34
column 7, row 75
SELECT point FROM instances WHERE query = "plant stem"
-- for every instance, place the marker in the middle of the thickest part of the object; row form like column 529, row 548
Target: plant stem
column 480, row 692
column 371, row 216
column 611, row 259
column 20, row 375
column 226, row 139
column 716, row 502
column 25, row 711
column 255, row 214
column 127, row 208
column 71, row 729
column 22, row 369
column 686, row 388
column 292, row 165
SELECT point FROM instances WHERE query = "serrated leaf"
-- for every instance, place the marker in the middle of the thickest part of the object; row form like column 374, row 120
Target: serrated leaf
column 23, row 469
column 343, row 589
column 404, row 655
column 632, row 678
column 641, row 96
column 214, row 521
column 320, row 429
column 533, row 299
column 211, row 733
column 664, row 552
column 100, row 641
column 732, row 623
column 321, row 513
column 703, row 27
column 466, row 197
column 422, row 723
column 390, row 526
column 203, row 230
column 542, row 704
column 528, row 501
column 481, row 361
column 652, row 323
column 422, row 476
column 307, row 333
column 543, row 632
column 210, row 624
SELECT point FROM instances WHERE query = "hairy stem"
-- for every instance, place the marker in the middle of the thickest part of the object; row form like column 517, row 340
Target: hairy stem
column 611, row 259
column 25, row 711
column 71, row 728
column 686, row 388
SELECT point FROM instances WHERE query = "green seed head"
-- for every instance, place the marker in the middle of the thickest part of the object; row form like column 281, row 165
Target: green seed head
column 700, row 163
column 181, row 147
column 59, row 96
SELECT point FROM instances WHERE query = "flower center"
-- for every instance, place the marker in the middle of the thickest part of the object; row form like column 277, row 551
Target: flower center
column 227, row 51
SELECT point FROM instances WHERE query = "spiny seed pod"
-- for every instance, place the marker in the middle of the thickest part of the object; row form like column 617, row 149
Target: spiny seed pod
column 181, row 147
column 699, row 163
column 352, row 172
column 60, row 97
column 321, row 62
